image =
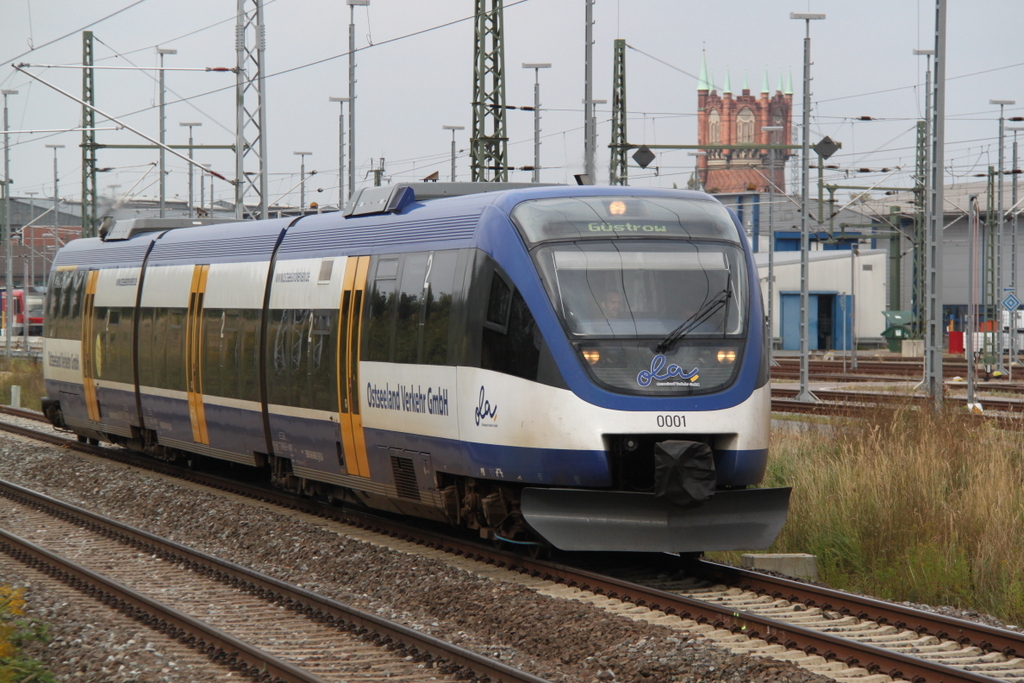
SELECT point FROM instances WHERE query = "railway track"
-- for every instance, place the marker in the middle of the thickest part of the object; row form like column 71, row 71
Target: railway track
column 871, row 369
column 231, row 613
column 830, row 632
column 1001, row 410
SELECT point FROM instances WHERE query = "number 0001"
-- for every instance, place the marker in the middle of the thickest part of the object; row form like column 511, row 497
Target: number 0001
column 671, row 421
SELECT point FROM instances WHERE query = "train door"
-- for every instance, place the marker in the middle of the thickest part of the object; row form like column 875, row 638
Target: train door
column 89, row 346
column 193, row 354
column 353, row 295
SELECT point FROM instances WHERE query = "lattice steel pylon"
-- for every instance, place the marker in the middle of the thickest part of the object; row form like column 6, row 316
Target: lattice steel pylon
column 88, row 139
column 919, row 293
column 489, row 143
column 618, row 173
column 250, row 113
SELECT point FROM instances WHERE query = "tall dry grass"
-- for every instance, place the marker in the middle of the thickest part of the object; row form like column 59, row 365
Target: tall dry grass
column 25, row 373
column 909, row 505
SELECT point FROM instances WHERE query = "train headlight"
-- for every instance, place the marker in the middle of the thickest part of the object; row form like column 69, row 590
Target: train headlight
column 592, row 355
column 727, row 356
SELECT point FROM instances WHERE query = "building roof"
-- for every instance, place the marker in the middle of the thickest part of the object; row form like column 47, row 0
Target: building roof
column 786, row 258
column 955, row 197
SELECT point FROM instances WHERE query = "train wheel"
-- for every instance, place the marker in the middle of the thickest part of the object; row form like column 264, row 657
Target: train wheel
column 538, row 551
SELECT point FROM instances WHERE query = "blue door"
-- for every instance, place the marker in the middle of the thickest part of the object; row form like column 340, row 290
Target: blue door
column 790, row 322
column 829, row 321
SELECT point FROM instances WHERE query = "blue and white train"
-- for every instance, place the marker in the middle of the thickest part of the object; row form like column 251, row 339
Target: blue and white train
column 583, row 367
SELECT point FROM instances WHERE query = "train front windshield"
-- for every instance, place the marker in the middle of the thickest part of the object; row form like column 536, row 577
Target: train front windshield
column 652, row 291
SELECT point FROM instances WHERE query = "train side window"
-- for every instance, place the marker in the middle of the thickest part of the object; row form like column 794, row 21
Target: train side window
column 66, row 295
column 381, row 309
column 174, row 372
column 76, row 293
column 498, row 304
column 409, row 307
column 220, row 332
column 112, row 344
column 287, row 340
column 148, row 356
column 437, row 309
column 302, row 368
column 51, row 321
column 247, row 359
column 516, row 350
column 321, row 368
column 230, row 353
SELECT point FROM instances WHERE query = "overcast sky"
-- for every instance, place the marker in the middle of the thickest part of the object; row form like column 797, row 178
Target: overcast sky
column 415, row 75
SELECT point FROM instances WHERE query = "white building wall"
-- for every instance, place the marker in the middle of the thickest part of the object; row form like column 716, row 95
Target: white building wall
column 829, row 272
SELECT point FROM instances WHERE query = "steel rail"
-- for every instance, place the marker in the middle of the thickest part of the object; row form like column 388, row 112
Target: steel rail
column 902, row 617
column 203, row 637
column 316, row 606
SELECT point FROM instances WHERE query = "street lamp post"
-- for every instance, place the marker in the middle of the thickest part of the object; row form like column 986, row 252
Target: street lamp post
column 453, row 129
column 190, row 126
column 352, row 4
column 341, row 147
column 772, row 134
column 163, row 180
column 536, row 115
column 302, row 179
column 999, row 239
column 8, row 278
column 805, row 298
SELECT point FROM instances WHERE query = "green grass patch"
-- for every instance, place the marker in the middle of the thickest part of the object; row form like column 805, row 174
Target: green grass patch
column 17, row 630
column 909, row 505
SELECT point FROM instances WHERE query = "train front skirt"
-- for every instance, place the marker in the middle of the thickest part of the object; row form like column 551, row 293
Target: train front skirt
column 580, row 519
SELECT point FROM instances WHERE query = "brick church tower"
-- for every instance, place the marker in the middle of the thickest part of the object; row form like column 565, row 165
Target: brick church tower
column 729, row 118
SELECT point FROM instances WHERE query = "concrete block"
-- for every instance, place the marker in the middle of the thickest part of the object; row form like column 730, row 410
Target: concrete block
column 913, row 348
column 797, row 565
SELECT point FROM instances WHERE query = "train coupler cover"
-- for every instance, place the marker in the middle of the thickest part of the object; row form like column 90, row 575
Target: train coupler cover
column 684, row 472
column 617, row 521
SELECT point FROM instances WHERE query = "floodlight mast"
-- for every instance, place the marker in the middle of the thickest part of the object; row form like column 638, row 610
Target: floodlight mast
column 190, row 126
column 999, row 238
column 805, row 393
column 453, row 129
column 536, row 116
column 933, row 246
column 352, row 4
column 8, row 279
column 772, row 131
column 341, row 147
column 161, row 51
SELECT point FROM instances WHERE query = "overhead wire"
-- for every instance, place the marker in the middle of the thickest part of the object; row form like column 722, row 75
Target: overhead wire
column 72, row 33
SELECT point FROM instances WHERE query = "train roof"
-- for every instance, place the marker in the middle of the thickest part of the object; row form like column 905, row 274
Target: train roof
column 435, row 215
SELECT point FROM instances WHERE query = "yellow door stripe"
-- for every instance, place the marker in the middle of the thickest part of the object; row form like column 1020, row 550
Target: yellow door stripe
column 90, row 346
column 194, row 355
column 358, row 301
column 353, row 441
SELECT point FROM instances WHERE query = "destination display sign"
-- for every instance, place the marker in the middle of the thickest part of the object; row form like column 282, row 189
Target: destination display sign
column 581, row 218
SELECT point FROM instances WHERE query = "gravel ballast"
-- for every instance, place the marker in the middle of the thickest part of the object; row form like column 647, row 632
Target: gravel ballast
column 561, row 640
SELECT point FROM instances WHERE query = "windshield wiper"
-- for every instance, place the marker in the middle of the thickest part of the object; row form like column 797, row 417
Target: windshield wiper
column 690, row 324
